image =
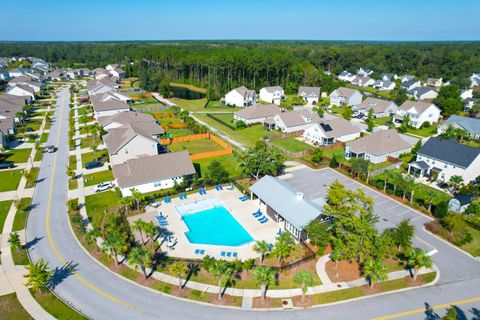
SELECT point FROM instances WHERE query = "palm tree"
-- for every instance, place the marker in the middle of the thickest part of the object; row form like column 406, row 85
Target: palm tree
column 136, row 195
column 14, row 241
column 94, row 149
column 416, row 259
column 38, row 275
column 138, row 225
column 140, row 258
column 410, row 186
column 305, row 279
column 111, row 244
column 151, row 231
column 70, row 173
column 91, row 237
column 179, row 269
column 264, row 277
column 430, row 197
column 374, row 270
column 127, row 203
column 221, row 271
column 283, row 247
column 394, row 177
column 261, row 247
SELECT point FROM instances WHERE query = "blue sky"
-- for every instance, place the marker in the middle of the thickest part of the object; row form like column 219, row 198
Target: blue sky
column 245, row 19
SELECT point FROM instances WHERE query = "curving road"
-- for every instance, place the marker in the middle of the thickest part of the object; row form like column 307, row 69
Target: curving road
column 100, row 294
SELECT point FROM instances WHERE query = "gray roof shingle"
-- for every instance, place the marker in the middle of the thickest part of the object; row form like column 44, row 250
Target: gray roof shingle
column 449, row 151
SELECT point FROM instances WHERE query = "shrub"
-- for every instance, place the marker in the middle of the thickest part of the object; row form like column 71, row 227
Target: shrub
column 426, row 124
column 240, row 124
column 441, row 210
column 333, row 162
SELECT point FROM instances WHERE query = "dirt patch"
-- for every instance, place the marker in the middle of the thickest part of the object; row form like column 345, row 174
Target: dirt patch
column 305, row 302
column 345, row 271
column 413, row 283
column 227, row 300
column 176, row 291
column 307, row 266
column 366, row 289
column 260, row 302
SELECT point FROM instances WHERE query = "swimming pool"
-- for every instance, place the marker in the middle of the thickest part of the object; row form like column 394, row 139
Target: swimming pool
column 209, row 222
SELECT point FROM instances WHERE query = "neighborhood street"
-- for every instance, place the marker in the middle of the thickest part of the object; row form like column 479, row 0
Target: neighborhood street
column 100, row 294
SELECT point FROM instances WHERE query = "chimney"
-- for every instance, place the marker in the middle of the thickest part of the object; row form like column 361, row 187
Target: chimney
column 299, row 196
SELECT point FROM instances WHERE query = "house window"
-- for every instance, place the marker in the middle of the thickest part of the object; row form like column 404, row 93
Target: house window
column 157, row 183
column 126, row 151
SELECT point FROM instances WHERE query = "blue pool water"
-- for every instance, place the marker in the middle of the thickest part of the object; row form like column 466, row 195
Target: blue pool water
column 210, row 223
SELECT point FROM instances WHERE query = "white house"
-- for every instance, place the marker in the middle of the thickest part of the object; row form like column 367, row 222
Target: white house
column 133, row 140
column 441, row 159
column 22, row 90
column 272, row 94
column 475, row 80
column 418, row 112
column 378, row 146
column 363, row 81
column 384, row 85
column 293, row 121
column 381, row 108
column 364, row 72
column 310, row 95
column 97, row 87
column 17, row 72
column 123, row 118
column 345, row 97
column 434, row 82
column 104, row 108
column 346, row 76
column 465, row 94
column 256, row 114
column 388, row 76
column 332, row 131
column 422, row 93
column 470, row 125
column 118, row 72
column 410, row 84
column 241, row 97
column 153, row 173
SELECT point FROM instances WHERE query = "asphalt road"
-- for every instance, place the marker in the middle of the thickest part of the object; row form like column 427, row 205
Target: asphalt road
column 100, row 294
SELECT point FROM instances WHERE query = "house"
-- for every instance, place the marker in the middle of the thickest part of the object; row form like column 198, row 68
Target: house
column 4, row 75
column 22, row 90
column 7, row 128
column 406, row 77
column 56, row 75
column 103, row 108
column 153, row 173
column 468, row 103
column 467, row 93
column 345, row 97
column 272, row 94
column 95, row 87
column 114, row 95
column 281, row 202
column 422, row 93
column 460, row 203
column 384, row 85
column 123, row 118
column 256, row 114
column 110, row 67
column 293, row 121
column 346, row 76
column 470, row 125
column 310, row 95
column 475, row 80
column 410, row 84
column 330, row 132
column 441, row 159
column 11, row 105
column 133, row 140
column 363, row 81
column 17, row 72
column 435, row 82
column 364, row 72
column 388, row 76
column 378, row 146
column 241, row 97
column 118, row 72
column 381, row 108
column 419, row 112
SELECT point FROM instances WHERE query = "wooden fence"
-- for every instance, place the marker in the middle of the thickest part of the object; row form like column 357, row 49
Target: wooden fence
column 203, row 155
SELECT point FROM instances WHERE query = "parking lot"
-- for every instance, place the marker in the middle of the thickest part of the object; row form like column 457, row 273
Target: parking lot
column 315, row 184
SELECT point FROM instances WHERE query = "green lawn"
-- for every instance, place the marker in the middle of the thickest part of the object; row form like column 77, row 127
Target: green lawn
column 196, row 105
column 22, row 214
column 97, row 203
column 225, row 117
column 38, row 154
column 229, row 162
column 72, row 162
column 20, row 257
column 12, row 309
column 217, row 105
column 44, row 137
column 10, row 179
column 34, row 124
column 380, row 165
column 338, row 295
column 248, row 136
column 424, row 132
column 384, row 94
column 102, row 156
column 15, row 155
column 339, row 151
column 56, row 307
column 4, row 208
column 381, row 121
column 195, row 146
column 190, row 87
column 473, row 247
column 92, row 179
column 88, row 142
column 292, row 144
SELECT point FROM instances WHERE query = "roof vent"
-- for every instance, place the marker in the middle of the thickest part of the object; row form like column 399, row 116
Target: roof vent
column 299, row 195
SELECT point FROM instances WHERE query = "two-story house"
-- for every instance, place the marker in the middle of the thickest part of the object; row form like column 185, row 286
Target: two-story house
column 345, row 97
column 310, row 95
column 381, row 108
column 422, row 93
column 329, row 132
column 272, row 94
column 241, row 97
column 418, row 112
column 293, row 121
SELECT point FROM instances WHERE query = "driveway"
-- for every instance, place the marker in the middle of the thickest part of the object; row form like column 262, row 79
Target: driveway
column 101, row 294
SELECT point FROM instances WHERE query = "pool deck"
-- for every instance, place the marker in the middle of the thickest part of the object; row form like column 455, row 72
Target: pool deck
column 240, row 210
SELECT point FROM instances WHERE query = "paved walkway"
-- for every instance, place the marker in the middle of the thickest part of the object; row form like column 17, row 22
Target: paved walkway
column 15, row 194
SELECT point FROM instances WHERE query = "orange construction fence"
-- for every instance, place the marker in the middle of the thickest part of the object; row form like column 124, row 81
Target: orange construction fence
column 203, row 155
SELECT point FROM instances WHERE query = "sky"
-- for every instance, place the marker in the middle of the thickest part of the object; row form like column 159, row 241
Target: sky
column 103, row 20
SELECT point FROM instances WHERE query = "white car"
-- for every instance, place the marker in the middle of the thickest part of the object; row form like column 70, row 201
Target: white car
column 103, row 186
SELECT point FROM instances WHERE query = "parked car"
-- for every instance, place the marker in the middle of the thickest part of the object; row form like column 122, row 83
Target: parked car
column 93, row 164
column 50, row 149
column 103, row 186
column 388, row 123
column 7, row 165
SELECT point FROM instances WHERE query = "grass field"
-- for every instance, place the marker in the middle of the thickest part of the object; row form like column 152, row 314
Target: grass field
column 381, row 121
column 22, row 214
column 92, row 179
column 292, row 144
column 12, row 309
column 10, row 179
column 15, row 155
column 329, row 153
column 424, row 132
column 229, row 162
column 97, row 203
column 195, row 146
column 190, row 87
column 88, row 142
column 4, row 208
column 198, row 105
column 56, row 307
column 102, row 156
